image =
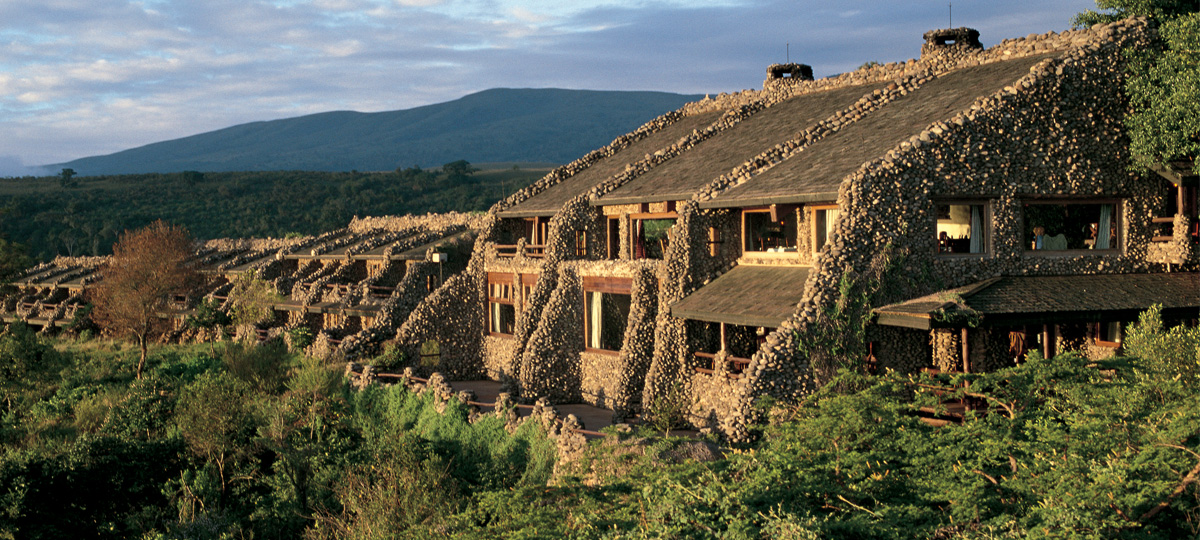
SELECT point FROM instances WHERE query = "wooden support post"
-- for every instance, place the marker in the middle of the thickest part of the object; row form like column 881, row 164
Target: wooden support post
column 774, row 212
column 966, row 352
column 1180, row 206
column 722, row 336
column 1047, row 348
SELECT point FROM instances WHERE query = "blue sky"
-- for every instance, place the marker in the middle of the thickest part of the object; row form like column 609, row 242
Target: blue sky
column 88, row 77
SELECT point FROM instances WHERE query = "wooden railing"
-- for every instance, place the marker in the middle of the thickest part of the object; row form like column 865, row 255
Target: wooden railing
column 1164, row 228
column 535, row 251
column 734, row 366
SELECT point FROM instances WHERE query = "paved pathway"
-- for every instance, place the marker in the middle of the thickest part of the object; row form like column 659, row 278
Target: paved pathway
column 593, row 418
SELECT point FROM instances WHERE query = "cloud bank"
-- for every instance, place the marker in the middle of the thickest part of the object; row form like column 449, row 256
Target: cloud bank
column 87, row 77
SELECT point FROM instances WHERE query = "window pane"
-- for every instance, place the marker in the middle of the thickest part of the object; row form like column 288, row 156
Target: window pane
column 607, row 315
column 1053, row 227
column 762, row 234
column 961, row 228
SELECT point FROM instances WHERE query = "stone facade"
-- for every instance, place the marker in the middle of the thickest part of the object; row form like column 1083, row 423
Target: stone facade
column 1053, row 133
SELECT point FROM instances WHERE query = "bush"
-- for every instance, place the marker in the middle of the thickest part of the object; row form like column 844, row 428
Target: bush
column 263, row 366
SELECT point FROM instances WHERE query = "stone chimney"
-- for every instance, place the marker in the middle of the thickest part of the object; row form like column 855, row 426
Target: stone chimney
column 783, row 74
column 950, row 44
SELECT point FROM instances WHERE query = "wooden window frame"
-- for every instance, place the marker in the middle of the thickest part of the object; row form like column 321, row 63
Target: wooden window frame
column 645, row 216
column 812, row 219
column 604, row 285
column 775, row 211
column 988, row 229
column 1105, row 343
column 505, row 280
column 1118, row 218
column 581, row 243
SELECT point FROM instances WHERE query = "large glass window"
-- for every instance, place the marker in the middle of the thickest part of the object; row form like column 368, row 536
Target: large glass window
column 1059, row 226
column 605, row 317
column 962, row 228
column 502, row 311
column 761, row 233
column 823, row 219
column 651, row 237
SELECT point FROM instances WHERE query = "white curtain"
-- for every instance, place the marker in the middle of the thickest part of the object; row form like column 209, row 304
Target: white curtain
column 976, row 229
column 595, row 319
column 495, row 317
column 830, row 219
column 1104, row 234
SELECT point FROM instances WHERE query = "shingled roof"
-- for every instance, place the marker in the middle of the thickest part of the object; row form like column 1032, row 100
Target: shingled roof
column 683, row 176
column 747, row 295
column 1036, row 299
column 549, row 201
column 815, row 173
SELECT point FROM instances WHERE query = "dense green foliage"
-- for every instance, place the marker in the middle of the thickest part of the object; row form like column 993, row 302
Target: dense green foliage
column 1165, row 91
column 1164, row 82
column 261, row 443
column 87, row 218
column 229, row 447
column 501, row 125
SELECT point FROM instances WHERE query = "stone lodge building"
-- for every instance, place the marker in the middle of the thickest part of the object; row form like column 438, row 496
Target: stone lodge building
column 968, row 206
column 951, row 212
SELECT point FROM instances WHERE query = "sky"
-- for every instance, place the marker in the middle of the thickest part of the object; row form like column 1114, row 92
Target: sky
column 90, row 77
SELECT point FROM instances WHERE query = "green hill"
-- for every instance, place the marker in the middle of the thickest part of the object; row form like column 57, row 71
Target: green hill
column 494, row 126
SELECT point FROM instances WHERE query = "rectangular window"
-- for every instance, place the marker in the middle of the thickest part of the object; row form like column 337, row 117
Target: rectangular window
column 606, row 303
column 650, row 236
column 760, row 233
column 581, row 244
column 528, row 281
column 614, row 238
column 823, row 219
column 1108, row 334
column 714, row 241
column 962, row 228
column 1052, row 226
column 502, row 311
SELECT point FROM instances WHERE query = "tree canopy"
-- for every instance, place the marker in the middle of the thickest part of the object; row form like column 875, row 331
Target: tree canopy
column 1164, row 81
column 148, row 268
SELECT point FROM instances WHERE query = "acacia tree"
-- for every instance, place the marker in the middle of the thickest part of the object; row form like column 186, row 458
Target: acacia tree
column 148, row 267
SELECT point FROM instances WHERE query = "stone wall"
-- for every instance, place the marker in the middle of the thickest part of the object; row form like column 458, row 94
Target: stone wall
column 1070, row 106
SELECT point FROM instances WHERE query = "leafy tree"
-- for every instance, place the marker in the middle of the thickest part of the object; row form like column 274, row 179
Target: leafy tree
column 1114, row 10
column 21, row 351
column 214, row 418
column 1164, row 82
column 208, row 316
column 1164, row 90
column 252, row 299
column 148, row 268
column 457, row 169
column 13, row 259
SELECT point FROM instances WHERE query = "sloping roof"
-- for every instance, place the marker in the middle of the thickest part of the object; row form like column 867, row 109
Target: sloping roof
column 1037, row 299
column 815, row 173
column 548, row 202
column 683, row 176
column 418, row 253
column 747, row 295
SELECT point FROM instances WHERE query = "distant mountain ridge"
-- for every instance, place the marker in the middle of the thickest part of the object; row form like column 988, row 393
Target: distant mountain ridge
column 546, row 125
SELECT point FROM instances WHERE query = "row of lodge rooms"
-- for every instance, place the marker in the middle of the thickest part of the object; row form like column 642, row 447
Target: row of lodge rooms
column 977, row 203
column 973, row 204
column 342, row 286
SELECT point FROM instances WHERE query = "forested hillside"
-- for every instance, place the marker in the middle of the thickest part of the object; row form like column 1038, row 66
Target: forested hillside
column 84, row 215
column 502, row 125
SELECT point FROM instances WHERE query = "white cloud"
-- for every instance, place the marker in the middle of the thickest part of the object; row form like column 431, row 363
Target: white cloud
column 84, row 77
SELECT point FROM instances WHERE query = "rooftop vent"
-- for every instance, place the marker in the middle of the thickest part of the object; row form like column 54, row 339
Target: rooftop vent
column 801, row 72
